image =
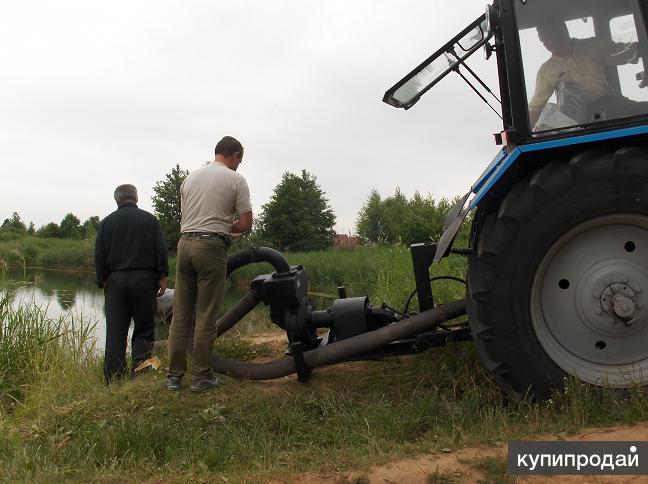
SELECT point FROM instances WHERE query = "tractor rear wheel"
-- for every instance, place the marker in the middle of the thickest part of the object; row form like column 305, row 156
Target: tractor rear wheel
column 558, row 279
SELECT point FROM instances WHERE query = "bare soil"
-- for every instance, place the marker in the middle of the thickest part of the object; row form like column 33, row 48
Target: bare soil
column 456, row 466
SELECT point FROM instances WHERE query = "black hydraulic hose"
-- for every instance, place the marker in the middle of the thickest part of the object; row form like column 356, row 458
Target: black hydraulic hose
column 257, row 254
column 344, row 349
column 237, row 312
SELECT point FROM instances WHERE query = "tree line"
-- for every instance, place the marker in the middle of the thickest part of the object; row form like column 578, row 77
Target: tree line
column 298, row 217
column 399, row 220
column 69, row 228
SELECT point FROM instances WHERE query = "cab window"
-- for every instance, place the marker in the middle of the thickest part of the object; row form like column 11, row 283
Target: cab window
column 582, row 62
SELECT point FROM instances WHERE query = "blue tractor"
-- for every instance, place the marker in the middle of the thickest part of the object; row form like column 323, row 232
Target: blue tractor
column 557, row 281
column 558, row 270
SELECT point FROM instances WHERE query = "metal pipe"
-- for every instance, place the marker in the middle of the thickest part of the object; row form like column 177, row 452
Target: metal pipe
column 342, row 350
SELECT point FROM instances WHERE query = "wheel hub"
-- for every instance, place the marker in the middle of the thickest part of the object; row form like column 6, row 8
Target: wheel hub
column 619, row 301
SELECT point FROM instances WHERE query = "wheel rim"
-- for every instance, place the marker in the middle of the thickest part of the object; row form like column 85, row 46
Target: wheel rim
column 589, row 301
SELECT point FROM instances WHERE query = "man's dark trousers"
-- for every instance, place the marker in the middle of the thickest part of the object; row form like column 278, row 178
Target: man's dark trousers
column 128, row 295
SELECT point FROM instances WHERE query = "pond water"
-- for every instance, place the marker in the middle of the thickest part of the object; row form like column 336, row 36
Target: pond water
column 74, row 295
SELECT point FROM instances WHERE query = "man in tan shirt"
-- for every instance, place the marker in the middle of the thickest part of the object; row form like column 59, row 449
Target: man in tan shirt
column 581, row 63
column 211, row 199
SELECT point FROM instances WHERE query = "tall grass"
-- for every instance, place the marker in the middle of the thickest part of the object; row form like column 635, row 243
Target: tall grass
column 384, row 274
column 48, row 253
column 33, row 347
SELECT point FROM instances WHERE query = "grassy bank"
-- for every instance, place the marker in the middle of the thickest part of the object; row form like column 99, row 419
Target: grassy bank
column 28, row 251
column 59, row 422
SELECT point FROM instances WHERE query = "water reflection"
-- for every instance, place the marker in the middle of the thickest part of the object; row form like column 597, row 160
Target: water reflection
column 71, row 295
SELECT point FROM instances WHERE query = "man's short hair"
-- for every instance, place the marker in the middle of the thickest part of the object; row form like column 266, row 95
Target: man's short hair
column 553, row 25
column 228, row 146
column 125, row 193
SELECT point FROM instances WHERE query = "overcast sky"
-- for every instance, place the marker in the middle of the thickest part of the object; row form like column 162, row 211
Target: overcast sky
column 95, row 94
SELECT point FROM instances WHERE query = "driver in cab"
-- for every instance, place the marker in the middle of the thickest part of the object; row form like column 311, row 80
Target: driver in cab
column 579, row 65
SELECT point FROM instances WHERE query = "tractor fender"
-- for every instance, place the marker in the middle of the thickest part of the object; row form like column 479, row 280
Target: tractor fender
column 458, row 213
column 501, row 165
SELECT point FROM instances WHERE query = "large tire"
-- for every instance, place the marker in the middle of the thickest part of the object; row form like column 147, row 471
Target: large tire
column 545, row 267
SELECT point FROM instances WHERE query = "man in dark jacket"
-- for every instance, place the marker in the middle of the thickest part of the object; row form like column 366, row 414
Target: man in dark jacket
column 132, row 267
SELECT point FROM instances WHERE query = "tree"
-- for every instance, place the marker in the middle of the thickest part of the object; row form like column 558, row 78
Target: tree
column 370, row 223
column 396, row 219
column 298, row 216
column 70, row 227
column 89, row 227
column 395, row 209
column 51, row 230
column 425, row 219
column 14, row 223
column 166, row 203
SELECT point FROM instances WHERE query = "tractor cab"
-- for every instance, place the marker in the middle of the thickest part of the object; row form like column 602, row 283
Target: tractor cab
column 565, row 67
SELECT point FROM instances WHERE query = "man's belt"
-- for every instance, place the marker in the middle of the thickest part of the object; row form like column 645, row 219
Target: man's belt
column 209, row 235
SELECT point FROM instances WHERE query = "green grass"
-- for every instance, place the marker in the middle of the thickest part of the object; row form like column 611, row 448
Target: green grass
column 58, row 421
column 71, row 426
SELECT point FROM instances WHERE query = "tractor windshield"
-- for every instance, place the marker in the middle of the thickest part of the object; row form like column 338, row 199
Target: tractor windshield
column 583, row 61
column 448, row 58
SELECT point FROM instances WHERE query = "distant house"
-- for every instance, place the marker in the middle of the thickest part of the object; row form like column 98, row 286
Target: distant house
column 344, row 241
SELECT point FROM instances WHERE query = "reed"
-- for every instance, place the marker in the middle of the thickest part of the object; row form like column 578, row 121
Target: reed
column 33, row 347
column 29, row 251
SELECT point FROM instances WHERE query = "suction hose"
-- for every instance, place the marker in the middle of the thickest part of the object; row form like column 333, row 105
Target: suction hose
column 250, row 299
column 257, row 254
column 237, row 312
column 344, row 349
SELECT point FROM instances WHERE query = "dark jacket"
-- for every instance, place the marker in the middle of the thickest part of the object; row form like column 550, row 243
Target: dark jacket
column 130, row 239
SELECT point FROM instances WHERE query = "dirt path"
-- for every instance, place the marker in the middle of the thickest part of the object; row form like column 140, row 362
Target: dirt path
column 455, row 467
